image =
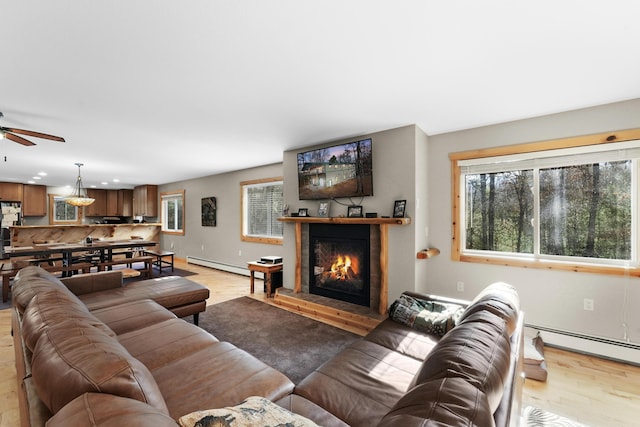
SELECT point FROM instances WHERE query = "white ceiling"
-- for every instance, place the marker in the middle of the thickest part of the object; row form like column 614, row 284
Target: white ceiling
column 152, row 92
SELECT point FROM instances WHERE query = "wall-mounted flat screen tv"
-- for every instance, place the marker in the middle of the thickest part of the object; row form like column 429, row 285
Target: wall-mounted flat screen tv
column 344, row 170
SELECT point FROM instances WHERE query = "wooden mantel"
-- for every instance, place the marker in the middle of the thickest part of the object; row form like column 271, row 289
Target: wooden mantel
column 384, row 224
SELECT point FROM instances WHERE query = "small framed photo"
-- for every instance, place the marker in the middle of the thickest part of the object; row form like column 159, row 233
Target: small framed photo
column 323, row 209
column 303, row 212
column 354, row 212
column 398, row 208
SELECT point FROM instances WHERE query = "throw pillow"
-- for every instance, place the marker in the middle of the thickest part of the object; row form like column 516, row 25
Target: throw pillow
column 254, row 412
column 428, row 316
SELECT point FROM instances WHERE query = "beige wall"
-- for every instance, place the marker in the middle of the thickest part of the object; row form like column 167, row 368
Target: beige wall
column 220, row 243
column 549, row 298
column 395, row 154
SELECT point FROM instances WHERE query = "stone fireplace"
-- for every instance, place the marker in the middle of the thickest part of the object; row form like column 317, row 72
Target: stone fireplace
column 378, row 229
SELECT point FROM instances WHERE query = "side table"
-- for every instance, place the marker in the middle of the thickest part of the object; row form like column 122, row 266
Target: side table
column 267, row 269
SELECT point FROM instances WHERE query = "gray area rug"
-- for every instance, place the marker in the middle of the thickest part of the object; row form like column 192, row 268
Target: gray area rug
column 536, row 417
column 292, row 344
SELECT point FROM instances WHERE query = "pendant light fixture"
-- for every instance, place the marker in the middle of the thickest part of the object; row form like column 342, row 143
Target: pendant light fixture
column 79, row 196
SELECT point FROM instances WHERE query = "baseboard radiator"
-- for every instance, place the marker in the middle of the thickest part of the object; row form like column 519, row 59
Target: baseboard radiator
column 222, row 266
column 607, row 348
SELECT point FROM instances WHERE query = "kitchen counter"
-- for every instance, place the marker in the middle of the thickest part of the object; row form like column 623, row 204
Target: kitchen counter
column 26, row 235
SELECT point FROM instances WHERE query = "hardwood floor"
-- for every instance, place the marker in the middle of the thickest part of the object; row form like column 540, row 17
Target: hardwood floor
column 590, row 390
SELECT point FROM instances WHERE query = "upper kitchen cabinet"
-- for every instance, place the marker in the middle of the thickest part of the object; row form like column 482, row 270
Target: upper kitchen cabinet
column 34, row 200
column 125, row 203
column 10, row 192
column 145, row 200
column 99, row 207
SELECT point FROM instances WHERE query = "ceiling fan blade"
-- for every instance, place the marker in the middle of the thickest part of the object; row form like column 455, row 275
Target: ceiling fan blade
column 18, row 139
column 35, row 134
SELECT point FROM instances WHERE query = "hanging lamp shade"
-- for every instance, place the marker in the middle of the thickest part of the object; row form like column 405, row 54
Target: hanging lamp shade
column 79, row 196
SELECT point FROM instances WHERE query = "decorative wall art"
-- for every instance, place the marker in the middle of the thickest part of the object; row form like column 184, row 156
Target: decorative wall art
column 209, row 207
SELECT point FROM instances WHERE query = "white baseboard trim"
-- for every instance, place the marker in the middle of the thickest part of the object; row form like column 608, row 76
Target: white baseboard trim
column 607, row 348
column 222, row 266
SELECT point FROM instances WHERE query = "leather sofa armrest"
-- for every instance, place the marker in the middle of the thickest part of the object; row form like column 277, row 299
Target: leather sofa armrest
column 93, row 282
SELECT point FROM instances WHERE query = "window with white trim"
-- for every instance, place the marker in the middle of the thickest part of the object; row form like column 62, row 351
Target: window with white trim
column 262, row 204
column 172, row 212
column 554, row 205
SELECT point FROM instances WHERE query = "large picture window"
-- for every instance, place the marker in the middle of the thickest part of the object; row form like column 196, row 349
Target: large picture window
column 567, row 204
column 173, row 212
column 262, row 204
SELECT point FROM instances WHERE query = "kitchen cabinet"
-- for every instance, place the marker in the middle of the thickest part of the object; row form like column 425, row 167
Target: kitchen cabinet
column 112, row 203
column 99, row 207
column 125, row 203
column 145, row 200
column 10, row 192
column 34, row 200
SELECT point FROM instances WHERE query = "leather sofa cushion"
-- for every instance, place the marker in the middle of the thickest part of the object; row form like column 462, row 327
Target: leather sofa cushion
column 107, row 410
column 73, row 358
column 217, row 376
column 500, row 299
column 441, row 402
column 169, row 292
column 94, row 282
column 162, row 343
column 132, row 316
column 361, row 383
column 29, row 282
column 478, row 351
column 50, row 308
column 402, row 339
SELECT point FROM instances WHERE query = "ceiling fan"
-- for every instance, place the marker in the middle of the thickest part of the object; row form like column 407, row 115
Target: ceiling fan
column 10, row 133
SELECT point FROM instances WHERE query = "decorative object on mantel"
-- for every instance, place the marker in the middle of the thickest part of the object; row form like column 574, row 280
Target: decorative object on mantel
column 398, row 208
column 323, row 209
column 428, row 253
column 371, row 215
column 79, row 196
column 354, row 211
column 303, row 212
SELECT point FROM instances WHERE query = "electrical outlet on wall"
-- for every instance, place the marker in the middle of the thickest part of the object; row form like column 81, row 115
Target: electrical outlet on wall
column 588, row 304
column 460, row 286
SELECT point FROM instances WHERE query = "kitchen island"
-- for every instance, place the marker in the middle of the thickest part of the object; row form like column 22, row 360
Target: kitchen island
column 27, row 235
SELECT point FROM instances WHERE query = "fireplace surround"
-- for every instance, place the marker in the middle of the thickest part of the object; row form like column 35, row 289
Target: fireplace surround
column 378, row 225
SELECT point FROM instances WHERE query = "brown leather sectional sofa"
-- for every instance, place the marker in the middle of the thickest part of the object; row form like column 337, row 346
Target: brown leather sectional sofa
column 135, row 363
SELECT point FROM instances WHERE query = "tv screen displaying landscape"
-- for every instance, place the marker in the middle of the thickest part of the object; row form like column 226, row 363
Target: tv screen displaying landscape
column 344, row 170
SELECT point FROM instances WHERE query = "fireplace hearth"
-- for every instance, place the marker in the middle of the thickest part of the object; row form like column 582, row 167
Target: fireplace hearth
column 339, row 262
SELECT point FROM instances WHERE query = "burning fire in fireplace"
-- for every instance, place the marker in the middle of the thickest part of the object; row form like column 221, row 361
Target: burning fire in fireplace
column 344, row 268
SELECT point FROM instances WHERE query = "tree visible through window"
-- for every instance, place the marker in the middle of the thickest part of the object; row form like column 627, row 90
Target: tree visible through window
column 262, row 204
column 570, row 208
column 585, row 211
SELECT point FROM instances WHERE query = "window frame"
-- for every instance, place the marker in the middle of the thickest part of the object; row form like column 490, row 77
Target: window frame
column 52, row 212
column 164, row 197
column 458, row 252
column 243, row 214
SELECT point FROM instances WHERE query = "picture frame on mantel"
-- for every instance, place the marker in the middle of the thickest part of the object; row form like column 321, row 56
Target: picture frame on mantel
column 399, row 207
column 323, row 209
column 354, row 212
column 303, row 212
